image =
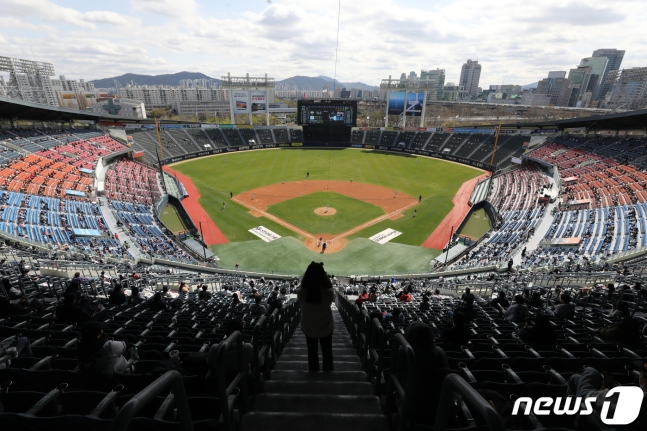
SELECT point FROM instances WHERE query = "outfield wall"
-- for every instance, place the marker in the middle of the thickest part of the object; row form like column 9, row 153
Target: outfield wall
column 395, row 150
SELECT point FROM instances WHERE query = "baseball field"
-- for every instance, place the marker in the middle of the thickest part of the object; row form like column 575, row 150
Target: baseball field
column 342, row 196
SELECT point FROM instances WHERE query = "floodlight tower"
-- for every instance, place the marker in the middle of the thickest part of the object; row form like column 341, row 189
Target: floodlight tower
column 242, row 93
column 406, row 85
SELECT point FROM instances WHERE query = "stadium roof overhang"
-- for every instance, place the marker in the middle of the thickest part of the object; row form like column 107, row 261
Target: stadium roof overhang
column 632, row 120
column 31, row 111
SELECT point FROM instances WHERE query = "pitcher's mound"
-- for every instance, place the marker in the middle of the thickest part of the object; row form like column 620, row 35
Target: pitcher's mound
column 323, row 211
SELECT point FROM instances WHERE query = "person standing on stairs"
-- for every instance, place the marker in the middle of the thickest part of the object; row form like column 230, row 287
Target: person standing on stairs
column 315, row 295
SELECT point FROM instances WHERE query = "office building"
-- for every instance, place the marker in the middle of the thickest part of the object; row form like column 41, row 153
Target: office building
column 470, row 76
column 628, row 89
column 557, row 74
column 614, row 57
column 435, row 78
column 559, row 89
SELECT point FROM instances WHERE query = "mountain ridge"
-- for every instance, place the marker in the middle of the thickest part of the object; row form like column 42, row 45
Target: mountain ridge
column 302, row 82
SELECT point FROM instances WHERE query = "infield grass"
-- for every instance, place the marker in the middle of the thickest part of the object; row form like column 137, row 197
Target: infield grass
column 437, row 181
column 300, row 212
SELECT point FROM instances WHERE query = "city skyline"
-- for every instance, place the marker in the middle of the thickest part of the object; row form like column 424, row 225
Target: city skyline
column 513, row 43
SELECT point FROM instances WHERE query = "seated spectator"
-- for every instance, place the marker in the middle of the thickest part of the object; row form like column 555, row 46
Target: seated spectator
column 536, row 301
column 283, row 295
column 273, row 302
column 466, row 294
column 135, row 295
column 18, row 348
column 183, row 288
column 74, row 286
column 436, row 296
column 71, row 312
column 117, row 297
column 158, row 303
column 203, row 293
column 405, row 296
column 376, row 315
column 538, row 332
column 500, row 302
column 431, row 370
column 231, row 361
column 234, row 299
column 458, row 334
column 620, row 309
column 518, row 311
column 468, row 309
column 362, row 298
column 591, row 383
column 257, row 307
column 97, row 353
column 165, row 292
column 372, row 296
column 225, row 291
column 626, row 331
column 424, row 305
column 394, row 316
column 565, row 310
column 8, row 309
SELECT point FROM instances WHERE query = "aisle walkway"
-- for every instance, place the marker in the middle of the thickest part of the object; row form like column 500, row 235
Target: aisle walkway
column 296, row 399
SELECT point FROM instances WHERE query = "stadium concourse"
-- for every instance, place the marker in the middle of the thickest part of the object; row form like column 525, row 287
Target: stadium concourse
column 539, row 307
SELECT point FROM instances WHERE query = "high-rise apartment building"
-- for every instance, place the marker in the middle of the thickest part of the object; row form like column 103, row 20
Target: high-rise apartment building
column 470, row 76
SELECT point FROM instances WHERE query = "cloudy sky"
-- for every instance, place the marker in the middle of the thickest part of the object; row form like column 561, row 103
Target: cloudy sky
column 515, row 41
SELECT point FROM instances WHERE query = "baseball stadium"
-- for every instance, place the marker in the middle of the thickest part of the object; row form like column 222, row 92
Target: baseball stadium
column 473, row 272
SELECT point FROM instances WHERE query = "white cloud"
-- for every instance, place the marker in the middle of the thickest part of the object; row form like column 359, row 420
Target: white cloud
column 513, row 41
column 167, row 8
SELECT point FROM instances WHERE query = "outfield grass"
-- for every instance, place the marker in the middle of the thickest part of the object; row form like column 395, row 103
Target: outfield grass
column 437, row 181
column 477, row 225
column 350, row 212
column 171, row 219
column 290, row 256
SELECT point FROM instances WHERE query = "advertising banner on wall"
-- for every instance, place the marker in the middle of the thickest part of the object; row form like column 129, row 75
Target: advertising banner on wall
column 259, row 102
column 413, row 105
column 241, row 101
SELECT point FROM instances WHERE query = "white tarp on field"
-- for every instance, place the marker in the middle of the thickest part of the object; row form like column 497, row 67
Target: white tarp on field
column 385, row 236
column 265, row 234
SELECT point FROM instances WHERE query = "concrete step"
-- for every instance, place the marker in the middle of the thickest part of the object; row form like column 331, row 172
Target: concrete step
column 281, row 421
column 303, row 350
column 304, row 358
column 303, row 366
column 302, row 403
column 335, row 336
column 317, row 388
column 299, row 343
column 321, row 376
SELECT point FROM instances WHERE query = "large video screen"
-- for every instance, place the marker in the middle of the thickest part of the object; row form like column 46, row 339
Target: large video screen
column 327, row 112
column 412, row 107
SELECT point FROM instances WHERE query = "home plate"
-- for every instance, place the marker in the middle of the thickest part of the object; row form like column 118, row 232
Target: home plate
column 385, row 236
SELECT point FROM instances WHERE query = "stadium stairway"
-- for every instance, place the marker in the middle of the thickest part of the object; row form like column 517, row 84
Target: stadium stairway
column 294, row 398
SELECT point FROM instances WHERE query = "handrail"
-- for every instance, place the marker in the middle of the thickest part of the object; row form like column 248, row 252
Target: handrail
column 139, row 401
column 263, row 333
column 376, row 348
column 240, row 381
column 454, row 383
column 394, row 386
